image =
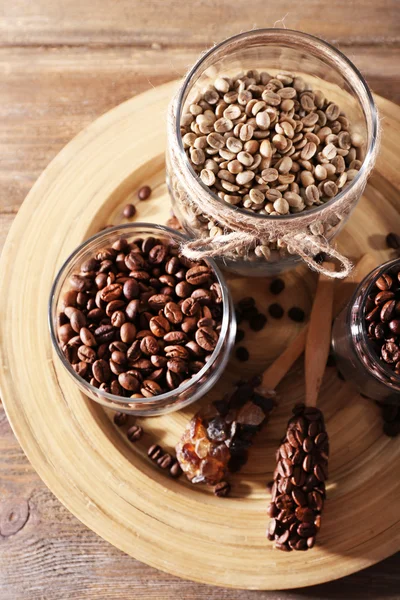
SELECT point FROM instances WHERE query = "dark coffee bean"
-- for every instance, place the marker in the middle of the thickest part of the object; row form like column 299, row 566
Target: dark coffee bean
column 65, row 333
column 242, row 354
column 131, row 289
column 111, row 292
column 86, row 354
column 258, row 322
column 173, row 312
column 177, row 365
column 206, row 338
column 78, row 283
column 77, row 320
column 299, row 497
column 101, row 371
column 198, row 275
column 315, row 501
column 176, row 351
column 144, row 192
column 150, row 388
column 159, row 326
column 154, row 452
column 134, row 433
column 388, row 310
column 390, row 352
column 384, row 282
column 222, row 489
column 277, row 286
column 149, row 345
column 173, row 379
column 296, row 314
column 190, row 307
column 158, row 254
column 239, row 336
column 306, row 530
column 165, row 461
column 129, row 211
column 373, row 315
column 81, row 368
column 283, row 547
column 390, row 412
column 393, row 241
column 189, row 324
column 394, row 326
column 128, row 333
column 383, row 297
column 120, row 419
column 175, row 470
column 128, row 381
column 276, row 311
column 118, row 319
column 247, row 302
column 392, row 429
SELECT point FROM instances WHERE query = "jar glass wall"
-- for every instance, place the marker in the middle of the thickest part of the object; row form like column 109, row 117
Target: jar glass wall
column 186, row 393
column 272, row 50
column 357, row 358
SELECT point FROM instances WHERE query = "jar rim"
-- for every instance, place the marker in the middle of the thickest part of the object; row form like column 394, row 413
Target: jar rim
column 359, row 325
column 325, row 47
column 160, row 399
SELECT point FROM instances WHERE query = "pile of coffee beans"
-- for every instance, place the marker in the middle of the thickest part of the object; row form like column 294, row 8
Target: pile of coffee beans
column 139, row 319
column 382, row 318
column 269, row 143
column 298, row 491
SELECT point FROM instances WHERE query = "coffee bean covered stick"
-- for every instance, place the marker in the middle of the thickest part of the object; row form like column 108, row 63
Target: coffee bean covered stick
column 298, row 492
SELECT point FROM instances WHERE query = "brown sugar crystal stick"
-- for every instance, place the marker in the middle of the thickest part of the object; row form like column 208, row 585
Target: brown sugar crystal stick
column 216, row 440
column 298, row 492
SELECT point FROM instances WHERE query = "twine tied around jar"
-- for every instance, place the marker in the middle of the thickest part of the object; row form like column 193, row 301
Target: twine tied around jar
column 241, row 229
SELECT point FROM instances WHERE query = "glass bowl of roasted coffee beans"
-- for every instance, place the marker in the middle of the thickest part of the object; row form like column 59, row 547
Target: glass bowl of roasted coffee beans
column 366, row 335
column 139, row 327
column 275, row 124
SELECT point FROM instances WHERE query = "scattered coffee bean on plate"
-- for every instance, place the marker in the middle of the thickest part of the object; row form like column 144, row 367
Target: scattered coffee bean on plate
column 242, row 354
column 222, row 489
column 129, row 211
column 144, row 192
column 276, row 311
column 134, row 433
column 257, row 322
column 239, row 336
column 120, row 419
column 139, row 319
column 296, row 314
column 277, row 286
column 393, row 241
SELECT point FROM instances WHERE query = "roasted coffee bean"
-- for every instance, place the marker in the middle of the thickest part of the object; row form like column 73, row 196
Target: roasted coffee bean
column 296, row 314
column 258, row 322
column 190, row 307
column 242, row 354
column 130, row 289
column 277, row 286
column 77, row 320
column 104, row 333
column 134, row 433
column 128, row 381
column 78, row 283
column 393, row 326
column 120, row 419
column 390, row 352
column 159, row 326
column 276, row 311
column 384, row 282
column 111, row 292
column 165, row 461
column 206, row 338
column 173, row 379
column 129, row 211
column 87, row 337
column 154, row 452
column 101, row 371
column 173, row 312
column 222, row 489
column 383, row 297
column 393, row 241
column 87, row 354
column 388, row 310
column 118, row 319
column 149, row 345
column 65, row 333
column 150, row 388
column 198, row 275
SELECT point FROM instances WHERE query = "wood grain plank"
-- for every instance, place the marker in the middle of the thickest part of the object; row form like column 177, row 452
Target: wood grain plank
column 54, row 556
column 49, row 94
column 192, row 23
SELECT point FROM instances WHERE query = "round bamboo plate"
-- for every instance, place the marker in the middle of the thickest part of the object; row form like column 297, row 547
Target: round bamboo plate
column 110, row 484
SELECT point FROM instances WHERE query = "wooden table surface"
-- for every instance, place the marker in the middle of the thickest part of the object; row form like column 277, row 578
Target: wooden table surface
column 63, row 64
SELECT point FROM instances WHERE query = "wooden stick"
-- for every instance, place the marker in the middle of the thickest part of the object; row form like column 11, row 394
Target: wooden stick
column 318, row 337
column 274, row 374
